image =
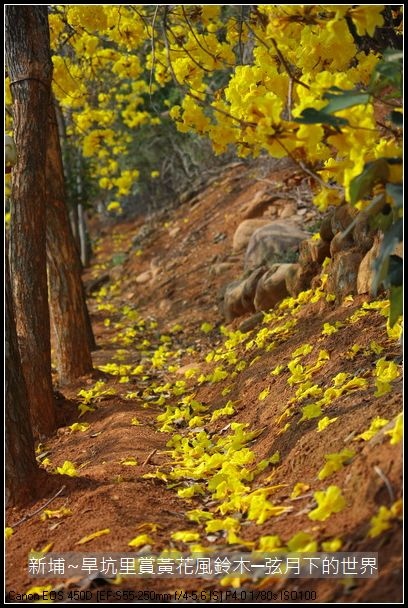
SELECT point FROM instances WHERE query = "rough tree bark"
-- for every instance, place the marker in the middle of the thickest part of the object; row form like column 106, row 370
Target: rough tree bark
column 30, row 69
column 69, row 315
column 21, row 467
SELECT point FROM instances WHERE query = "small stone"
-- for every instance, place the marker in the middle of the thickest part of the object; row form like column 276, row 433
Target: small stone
column 144, row 277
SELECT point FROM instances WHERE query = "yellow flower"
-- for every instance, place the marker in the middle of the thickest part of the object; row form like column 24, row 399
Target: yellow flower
column 78, row 426
column 305, row 349
column 128, row 462
column 262, row 509
column 324, row 423
column 302, row 542
column 329, row 329
column 299, row 489
column 332, row 546
column 263, row 394
column 277, row 370
column 385, row 372
column 68, row 468
column 141, row 540
column 314, row 410
column 38, row 590
column 185, row 536
column 335, row 462
column 269, row 543
column 87, row 539
column 191, row 491
column 329, row 501
column 376, row 424
column 397, row 431
column 395, row 332
column 58, row 513
column 366, row 18
column 382, row 520
column 228, row 410
column 199, row 516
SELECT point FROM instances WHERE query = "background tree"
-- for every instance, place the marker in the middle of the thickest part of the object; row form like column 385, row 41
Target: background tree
column 69, row 315
column 30, row 69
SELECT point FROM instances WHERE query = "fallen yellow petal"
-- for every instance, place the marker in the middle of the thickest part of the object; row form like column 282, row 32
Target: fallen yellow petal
column 87, row 539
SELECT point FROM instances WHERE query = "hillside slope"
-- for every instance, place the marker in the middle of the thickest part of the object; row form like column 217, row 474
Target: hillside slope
column 220, row 434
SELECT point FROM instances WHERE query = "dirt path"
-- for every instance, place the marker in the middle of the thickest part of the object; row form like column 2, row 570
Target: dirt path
column 189, row 419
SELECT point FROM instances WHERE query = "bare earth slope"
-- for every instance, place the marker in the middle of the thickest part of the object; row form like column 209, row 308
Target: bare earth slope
column 310, row 379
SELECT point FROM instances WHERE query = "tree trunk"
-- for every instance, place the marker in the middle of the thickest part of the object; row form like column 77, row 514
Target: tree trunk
column 30, row 69
column 21, row 467
column 67, row 303
column 73, row 216
column 83, row 235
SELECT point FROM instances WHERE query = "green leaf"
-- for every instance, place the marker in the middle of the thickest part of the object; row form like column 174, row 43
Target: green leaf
column 383, row 219
column 118, row 259
column 373, row 173
column 311, row 116
column 340, row 99
column 395, row 191
column 388, row 71
column 396, row 302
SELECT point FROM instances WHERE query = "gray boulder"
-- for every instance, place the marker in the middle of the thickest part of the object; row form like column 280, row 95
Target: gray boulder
column 276, row 242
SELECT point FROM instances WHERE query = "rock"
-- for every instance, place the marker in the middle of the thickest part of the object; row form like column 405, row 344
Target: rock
column 366, row 271
column 233, row 306
column 244, row 232
column 239, row 295
column 174, row 231
column 291, row 278
column 288, row 210
column 311, row 250
column 340, row 243
column 271, row 287
column 342, row 274
column 258, row 205
column 326, row 232
column 298, row 278
column 363, row 234
column 144, row 277
column 251, row 323
column 278, row 241
column 342, row 218
column 142, row 235
column 219, row 268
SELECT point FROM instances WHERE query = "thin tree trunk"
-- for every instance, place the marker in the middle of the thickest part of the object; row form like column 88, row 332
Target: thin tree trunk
column 21, row 467
column 73, row 216
column 83, row 235
column 30, row 68
column 67, row 303
column 68, row 173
